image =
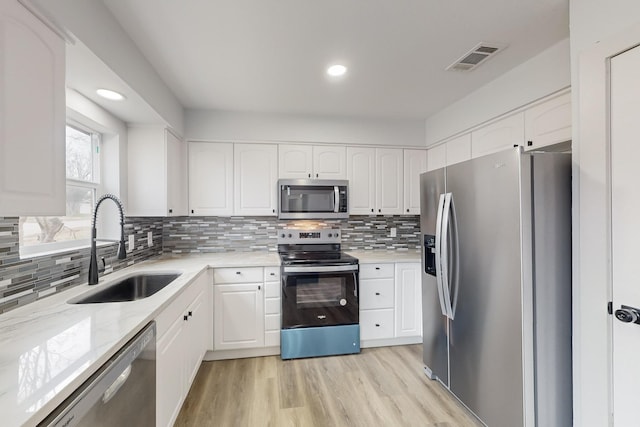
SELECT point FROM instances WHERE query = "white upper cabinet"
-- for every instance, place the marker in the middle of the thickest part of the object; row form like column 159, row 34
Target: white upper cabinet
column 32, row 115
column 305, row 161
column 500, row 135
column 548, row 122
column 255, row 179
column 329, row 162
column 437, row 157
column 415, row 163
column 375, row 180
column 458, row 149
column 389, row 181
column 295, row 161
column 157, row 172
column 211, row 178
column 361, row 163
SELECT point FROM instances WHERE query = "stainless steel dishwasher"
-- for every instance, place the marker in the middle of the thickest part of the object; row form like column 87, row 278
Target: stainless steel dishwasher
column 121, row 393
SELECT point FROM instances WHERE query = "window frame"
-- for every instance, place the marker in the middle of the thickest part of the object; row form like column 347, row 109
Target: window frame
column 41, row 249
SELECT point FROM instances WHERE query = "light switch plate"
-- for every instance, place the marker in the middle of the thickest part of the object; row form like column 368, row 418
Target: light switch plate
column 393, row 232
column 132, row 243
column 150, row 238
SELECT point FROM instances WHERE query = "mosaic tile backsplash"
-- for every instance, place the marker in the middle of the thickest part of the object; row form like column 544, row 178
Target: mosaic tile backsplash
column 219, row 234
column 26, row 280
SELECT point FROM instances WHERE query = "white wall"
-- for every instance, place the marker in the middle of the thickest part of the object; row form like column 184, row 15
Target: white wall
column 236, row 126
column 91, row 22
column 536, row 78
column 598, row 28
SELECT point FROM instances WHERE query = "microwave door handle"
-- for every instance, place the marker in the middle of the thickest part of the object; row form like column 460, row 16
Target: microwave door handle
column 336, row 199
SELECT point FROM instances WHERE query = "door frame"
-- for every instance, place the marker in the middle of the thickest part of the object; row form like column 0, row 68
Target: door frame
column 592, row 280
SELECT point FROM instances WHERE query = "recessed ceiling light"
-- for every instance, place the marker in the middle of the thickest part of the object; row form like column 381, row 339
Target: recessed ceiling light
column 336, row 70
column 110, row 94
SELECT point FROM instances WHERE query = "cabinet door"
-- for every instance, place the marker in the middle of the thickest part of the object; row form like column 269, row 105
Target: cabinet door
column 295, row 161
column 238, row 316
column 198, row 331
column 376, row 324
column 329, row 162
column 361, row 163
column 170, row 373
column 548, row 123
column 255, row 179
column 389, row 177
column 415, row 163
column 211, row 178
column 458, row 149
column 32, row 117
column 408, row 306
column 437, row 157
column 176, row 160
column 498, row 136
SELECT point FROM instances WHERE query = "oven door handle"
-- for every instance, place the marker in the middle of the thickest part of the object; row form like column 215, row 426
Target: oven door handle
column 321, row 268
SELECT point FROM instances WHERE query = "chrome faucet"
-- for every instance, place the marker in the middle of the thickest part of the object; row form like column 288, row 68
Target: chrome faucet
column 122, row 253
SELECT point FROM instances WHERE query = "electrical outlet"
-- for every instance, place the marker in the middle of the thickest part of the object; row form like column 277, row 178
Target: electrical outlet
column 150, row 238
column 393, row 232
column 132, row 243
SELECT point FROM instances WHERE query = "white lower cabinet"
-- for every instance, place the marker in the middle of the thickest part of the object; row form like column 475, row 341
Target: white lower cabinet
column 408, row 300
column 182, row 328
column 246, row 308
column 390, row 304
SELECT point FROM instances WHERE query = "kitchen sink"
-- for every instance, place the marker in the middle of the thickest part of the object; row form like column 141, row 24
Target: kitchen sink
column 130, row 288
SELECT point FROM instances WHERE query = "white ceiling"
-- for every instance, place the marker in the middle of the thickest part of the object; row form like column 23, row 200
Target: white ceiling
column 271, row 55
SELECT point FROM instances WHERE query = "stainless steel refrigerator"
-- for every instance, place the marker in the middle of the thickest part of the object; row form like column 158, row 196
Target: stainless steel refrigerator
column 496, row 285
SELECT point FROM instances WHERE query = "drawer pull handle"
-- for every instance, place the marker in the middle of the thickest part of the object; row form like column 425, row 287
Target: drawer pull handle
column 237, row 272
column 272, row 274
column 259, row 287
column 377, row 325
column 186, row 317
column 377, row 268
column 377, row 293
column 190, row 313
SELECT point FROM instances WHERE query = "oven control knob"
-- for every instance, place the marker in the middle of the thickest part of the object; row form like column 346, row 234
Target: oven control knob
column 337, row 235
column 343, row 302
column 290, row 235
column 329, row 234
column 282, row 235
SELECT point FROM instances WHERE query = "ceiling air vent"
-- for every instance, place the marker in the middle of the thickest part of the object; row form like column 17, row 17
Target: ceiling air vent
column 476, row 56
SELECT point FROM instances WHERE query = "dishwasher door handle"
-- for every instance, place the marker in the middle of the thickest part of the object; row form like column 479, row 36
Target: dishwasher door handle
column 119, row 382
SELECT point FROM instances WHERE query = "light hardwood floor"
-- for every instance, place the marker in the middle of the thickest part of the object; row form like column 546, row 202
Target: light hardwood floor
column 379, row 387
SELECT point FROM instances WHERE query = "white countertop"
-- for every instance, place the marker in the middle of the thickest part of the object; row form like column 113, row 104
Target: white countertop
column 49, row 348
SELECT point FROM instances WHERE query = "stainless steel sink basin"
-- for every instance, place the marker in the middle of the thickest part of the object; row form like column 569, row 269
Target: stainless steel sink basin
column 129, row 289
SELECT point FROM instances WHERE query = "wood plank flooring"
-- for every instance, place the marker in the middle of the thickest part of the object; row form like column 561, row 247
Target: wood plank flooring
column 379, row 387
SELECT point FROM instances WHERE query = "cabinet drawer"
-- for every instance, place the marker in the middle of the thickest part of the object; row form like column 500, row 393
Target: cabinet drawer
column 272, row 322
column 272, row 290
column 271, row 274
column 238, row 275
column 376, row 271
column 376, row 324
column 272, row 306
column 272, row 338
column 376, row 293
column 178, row 306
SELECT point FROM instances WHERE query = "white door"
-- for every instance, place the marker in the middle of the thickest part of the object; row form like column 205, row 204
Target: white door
column 361, row 163
column 211, row 178
column 255, row 179
column 415, row 163
column 389, row 177
column 503, row 134
column 238, row 316
column 176, row 157
column 329, row 162
column 625, row 232
column 408, row 301
column 295, row 161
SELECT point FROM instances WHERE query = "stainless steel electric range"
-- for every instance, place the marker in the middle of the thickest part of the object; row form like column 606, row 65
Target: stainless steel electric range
column 319, row 295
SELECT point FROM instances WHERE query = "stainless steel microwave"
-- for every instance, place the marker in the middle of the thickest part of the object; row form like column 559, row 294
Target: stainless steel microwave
column 312, row 198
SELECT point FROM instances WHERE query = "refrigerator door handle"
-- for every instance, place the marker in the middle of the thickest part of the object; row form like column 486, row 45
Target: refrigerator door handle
column 456, row 259
column 438, row 251
column 444, row 256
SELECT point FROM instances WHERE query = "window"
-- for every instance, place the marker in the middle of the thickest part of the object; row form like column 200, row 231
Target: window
column 44, row 234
